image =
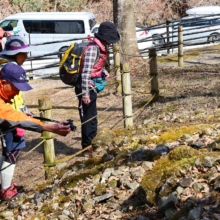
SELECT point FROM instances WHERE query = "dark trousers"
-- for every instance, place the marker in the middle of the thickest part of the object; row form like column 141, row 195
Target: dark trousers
column 86, row 113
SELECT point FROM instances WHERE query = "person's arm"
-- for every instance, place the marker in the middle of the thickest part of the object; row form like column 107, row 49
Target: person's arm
column 57, row 128
column 89, row 61
column 10, row 118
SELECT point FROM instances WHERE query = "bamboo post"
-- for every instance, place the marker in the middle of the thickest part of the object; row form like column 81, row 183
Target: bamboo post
column 180, row 46
column 154, row 74
column 168, row 36
column 126, row 92
column 49, row 152
column 117, row 68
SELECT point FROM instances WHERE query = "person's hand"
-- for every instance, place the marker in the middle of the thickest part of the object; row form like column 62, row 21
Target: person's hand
column 86, row 99
column 62, row 128
column 107, row 76
column 29, row 114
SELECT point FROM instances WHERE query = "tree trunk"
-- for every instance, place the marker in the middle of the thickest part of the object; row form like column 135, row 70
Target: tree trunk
column 126, row 26
column 115, row 11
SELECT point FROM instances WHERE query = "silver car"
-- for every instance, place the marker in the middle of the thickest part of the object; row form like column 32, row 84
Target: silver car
column 196, row 30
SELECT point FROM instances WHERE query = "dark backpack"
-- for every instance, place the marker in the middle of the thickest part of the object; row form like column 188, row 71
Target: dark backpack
column 71, row 63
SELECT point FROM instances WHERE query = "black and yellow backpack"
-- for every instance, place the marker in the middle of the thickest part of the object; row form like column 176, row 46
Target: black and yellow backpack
column 71, row 63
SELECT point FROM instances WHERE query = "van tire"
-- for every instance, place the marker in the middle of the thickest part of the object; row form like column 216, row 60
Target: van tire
column 158, row 40
column 214, row 38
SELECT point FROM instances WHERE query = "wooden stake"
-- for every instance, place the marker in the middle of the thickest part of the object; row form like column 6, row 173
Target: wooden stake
column 49, row 152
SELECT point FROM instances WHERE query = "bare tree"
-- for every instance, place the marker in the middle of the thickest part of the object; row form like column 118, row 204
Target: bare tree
column 126, row 25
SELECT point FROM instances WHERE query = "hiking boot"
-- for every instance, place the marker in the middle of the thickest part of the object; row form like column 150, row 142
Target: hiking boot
column 8, row 194
column 88, row 153
column 18, row 188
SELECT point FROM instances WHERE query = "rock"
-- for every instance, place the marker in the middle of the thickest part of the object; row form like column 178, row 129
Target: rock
column 208, row 161
column 147, row 165
column 140, row 217
column 89, row 204
column 217, row 183
column 182, row 152
column 133, row 185
column 96, row 179
column 160, row 150
column 169, row 212
column 137, row 172
column 61, row 166
column 197, row 187
column 165, row 190
column 113, row 205
column 100, row 188
column 139, row 155
column 104, row 197
column 125, row 178
column 179, row 190
column 107, row 173
column 194, row 214
column 198, row 144
column 112, row 182
column 185, row 182
column 55, row 206
column 165, row 203
column 63, row 217
column 7, row 214
column 208, row 131
column 103, row 138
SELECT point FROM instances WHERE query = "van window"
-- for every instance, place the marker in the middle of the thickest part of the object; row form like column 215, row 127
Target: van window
column 92, row 23
column 186, row 23
column 8, row 25
column 202, row 23
column 54, row 26
column 216, row 21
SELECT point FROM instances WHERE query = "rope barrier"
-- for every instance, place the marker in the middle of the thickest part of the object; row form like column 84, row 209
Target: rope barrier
column 145, row 104
column 71, row 156
column 34, row 148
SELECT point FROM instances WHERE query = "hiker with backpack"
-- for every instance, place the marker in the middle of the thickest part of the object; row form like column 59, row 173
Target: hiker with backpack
column 12, row 81
column 86, row 87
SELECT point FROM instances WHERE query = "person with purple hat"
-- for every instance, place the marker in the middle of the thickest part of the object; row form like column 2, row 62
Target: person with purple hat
column 86, row 89
column 12, row 81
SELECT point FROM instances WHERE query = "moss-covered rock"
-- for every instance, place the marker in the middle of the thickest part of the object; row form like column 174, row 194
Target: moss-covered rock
column 103, row 138
column 174, row 133
column 100, row 189
column 166, row 168
column 182, row 152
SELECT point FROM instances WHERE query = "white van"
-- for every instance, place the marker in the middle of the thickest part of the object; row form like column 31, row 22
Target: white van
column 41, row 27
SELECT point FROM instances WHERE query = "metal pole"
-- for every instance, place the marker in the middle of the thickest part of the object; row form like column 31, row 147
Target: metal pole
column 30, row 44
column 168, row 36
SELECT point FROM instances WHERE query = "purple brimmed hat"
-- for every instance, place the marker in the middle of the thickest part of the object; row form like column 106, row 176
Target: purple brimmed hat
column 14, row 45
column 16, row 75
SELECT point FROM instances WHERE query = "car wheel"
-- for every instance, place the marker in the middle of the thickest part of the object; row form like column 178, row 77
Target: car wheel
column 158, row 40
column 214, row 38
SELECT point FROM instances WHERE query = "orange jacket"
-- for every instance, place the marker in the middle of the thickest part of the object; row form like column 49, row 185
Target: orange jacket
column 12, row 118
